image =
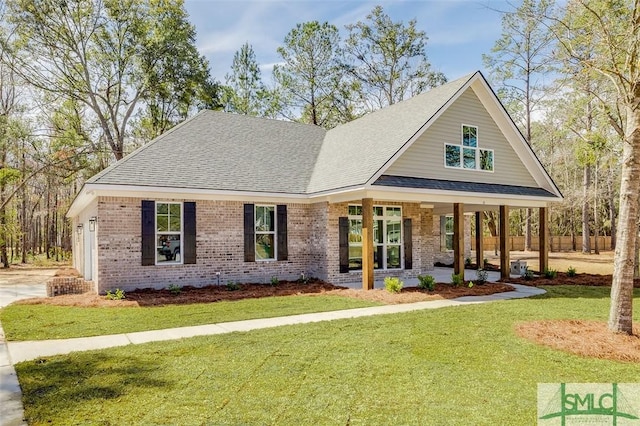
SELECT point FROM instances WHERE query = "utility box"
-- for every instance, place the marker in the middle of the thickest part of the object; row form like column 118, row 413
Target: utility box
column 518, row 267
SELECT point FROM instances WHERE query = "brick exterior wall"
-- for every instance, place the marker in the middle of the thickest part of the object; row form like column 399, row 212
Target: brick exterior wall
column 313, row 246
column 58, row 286
column 445, row 256
column 422, row 249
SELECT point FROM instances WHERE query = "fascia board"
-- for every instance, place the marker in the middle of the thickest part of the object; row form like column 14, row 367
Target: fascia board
column 496, row 110
column 422, row 129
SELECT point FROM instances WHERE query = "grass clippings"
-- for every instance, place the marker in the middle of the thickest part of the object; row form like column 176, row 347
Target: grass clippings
column 591, row 339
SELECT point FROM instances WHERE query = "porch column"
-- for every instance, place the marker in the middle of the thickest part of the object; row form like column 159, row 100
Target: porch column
column 458, row 238
column 367, row 243
column 505, row 265
column 479, row 241
column 543, row 232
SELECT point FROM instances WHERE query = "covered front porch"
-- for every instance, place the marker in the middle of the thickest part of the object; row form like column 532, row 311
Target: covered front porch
column 372, row 277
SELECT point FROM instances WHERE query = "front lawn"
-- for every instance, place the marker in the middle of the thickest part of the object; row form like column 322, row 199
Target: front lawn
column 39, row 322
column 459, row 365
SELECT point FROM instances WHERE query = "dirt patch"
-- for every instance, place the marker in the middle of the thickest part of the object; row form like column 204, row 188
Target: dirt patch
column 210, row 294
column 562, row 278
column 585, row 338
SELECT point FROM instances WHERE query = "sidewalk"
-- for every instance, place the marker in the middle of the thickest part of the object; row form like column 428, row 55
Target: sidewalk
column 29, row 350
column 11, row 410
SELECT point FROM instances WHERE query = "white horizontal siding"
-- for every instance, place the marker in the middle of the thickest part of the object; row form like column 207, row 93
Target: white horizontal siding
column 425, row 158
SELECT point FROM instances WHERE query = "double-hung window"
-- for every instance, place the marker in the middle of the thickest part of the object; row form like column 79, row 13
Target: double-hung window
column 468, row 155
column 265, row 232
column 387, row 237
column 168, row 232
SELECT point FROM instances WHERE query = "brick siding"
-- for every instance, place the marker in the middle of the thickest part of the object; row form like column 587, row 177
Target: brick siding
column 312, row 245
column 58, row 286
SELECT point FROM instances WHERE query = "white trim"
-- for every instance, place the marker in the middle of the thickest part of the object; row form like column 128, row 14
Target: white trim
column 504, row 122
column 274, row 232
column 156, row 232
column 423, row 129
column 384, row 218
column 462, row 126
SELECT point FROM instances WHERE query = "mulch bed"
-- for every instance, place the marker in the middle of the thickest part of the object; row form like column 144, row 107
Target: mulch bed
column 216, row 293
column 563, row 278
column 590, row 339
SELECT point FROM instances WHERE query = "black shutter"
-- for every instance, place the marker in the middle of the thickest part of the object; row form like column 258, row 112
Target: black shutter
column 283, row 250
column 189, row 245
column 249, row 233
column 343, row 225
column 408, row 244
column 148, row 233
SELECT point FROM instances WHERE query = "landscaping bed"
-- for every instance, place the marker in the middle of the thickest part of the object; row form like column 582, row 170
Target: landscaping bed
column 216, row 293
column 563, row 278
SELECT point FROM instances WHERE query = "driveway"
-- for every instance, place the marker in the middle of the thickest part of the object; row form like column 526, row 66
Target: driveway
column 18, row 284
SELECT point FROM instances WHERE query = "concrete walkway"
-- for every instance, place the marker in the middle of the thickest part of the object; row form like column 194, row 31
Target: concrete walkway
column 16, row 285
column 11, row 409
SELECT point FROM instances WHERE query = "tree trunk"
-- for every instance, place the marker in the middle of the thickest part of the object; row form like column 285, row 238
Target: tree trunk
column 596, row 228
column 586, row 233
column 612, row 215
column 621, row 312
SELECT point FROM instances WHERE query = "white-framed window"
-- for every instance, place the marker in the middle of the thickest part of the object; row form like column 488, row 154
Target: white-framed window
column 168, row 233
column 446, row 233
column 468, row 155
column 387, row 237
column 265, row 232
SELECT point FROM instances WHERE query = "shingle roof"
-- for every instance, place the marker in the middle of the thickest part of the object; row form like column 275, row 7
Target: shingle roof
column 221, row 151
column 451, row 185
column 230, row 152
column 354, row 152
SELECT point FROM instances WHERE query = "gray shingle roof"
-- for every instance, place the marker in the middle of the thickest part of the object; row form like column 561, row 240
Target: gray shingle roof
column 450, row 185
column 354, row 152
column 221, row 151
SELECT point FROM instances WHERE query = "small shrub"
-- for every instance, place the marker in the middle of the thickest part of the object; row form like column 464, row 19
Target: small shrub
column 393, row 284
column 528, row 274
column 550, row 273
column 481, row 276
column 470, row 284
column 175, row 289
column 233, row 286
column 571, row 271
column 457, row 279
column 467, row 261
column 485, row 263
column 427, row 282
column 303, row 279
column 117, row 294
column 274, row 280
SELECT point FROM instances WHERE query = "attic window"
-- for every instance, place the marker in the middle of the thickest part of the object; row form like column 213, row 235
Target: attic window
column 467, row 155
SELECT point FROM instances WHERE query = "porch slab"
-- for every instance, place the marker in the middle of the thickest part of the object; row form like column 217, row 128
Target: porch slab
column 442, row 275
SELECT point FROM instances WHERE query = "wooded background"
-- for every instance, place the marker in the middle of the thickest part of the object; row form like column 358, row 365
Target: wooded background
column 85, row 82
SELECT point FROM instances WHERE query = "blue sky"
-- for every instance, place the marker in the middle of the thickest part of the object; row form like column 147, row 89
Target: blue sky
column 459, row 31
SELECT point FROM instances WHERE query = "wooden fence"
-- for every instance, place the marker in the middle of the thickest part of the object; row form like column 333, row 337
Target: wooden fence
column 555, row 243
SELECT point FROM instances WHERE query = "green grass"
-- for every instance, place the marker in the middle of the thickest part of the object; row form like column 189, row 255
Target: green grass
column 39, row 322
column 460, row 365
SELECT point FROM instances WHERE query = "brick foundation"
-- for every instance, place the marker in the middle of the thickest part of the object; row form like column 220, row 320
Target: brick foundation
column 58, row 286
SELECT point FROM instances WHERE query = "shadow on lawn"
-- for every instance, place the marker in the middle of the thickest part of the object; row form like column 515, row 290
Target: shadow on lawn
column 578, row 292
column 64, row 383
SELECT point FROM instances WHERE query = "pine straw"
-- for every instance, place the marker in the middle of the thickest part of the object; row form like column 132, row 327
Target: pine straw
column 591, row 339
